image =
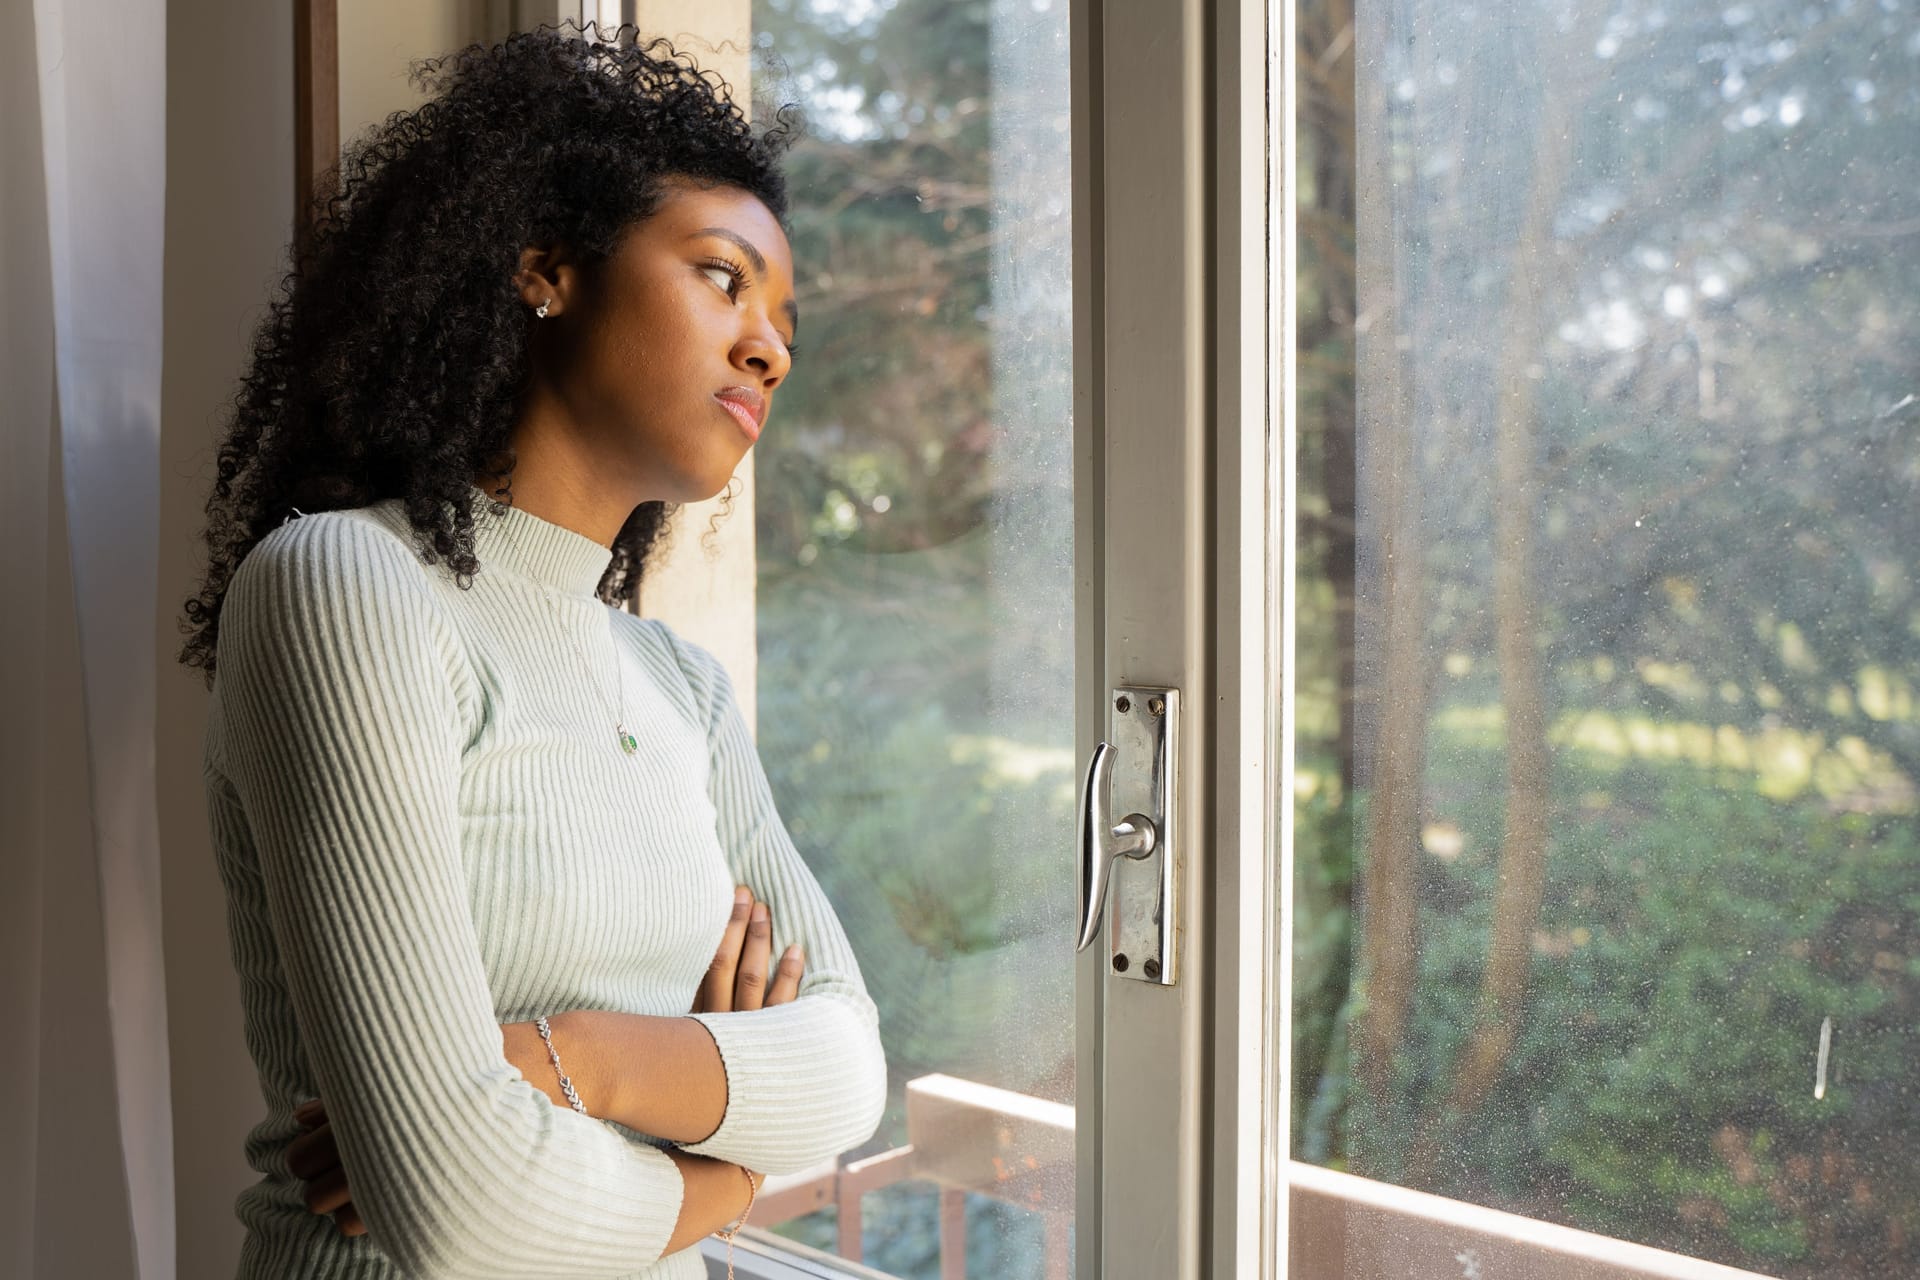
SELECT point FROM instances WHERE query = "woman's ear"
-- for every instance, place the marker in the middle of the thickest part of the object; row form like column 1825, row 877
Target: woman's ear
column 547, row 276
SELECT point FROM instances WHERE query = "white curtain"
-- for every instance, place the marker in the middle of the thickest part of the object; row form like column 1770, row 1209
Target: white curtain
column 86, row 1143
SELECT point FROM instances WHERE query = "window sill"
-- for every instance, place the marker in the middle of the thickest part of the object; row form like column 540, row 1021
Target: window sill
column 762, row 1255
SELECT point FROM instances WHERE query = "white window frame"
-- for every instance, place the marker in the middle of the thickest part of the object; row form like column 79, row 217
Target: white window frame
column 1182, row 1089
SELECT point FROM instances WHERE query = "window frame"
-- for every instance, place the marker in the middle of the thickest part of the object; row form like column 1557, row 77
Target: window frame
column 1177, row 413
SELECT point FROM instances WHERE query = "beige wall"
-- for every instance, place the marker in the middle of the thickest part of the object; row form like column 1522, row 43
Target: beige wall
column 708, row 596
column 229, row 211
column 377, row 40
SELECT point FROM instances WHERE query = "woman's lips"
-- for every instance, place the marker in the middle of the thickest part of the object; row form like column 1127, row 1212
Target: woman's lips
column 741, row 415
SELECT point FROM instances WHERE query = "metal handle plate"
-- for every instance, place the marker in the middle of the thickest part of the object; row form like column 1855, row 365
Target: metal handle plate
column 1129, row 870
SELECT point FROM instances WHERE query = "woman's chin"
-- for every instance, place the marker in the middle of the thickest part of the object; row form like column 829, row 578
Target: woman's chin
column 702, row 489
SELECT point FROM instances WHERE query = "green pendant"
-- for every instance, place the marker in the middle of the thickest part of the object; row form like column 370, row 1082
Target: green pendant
column 628, row 743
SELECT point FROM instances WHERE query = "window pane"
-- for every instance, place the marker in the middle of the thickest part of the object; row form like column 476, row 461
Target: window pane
column 914, row 502
column 1608, row 872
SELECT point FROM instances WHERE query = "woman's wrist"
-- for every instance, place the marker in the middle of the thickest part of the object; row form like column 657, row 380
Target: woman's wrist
column 656, row 1075
column 739, row 1220
column 713, row 1201
column 572, row 1035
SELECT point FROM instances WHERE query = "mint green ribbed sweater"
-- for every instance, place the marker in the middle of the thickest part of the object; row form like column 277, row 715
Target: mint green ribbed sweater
column 426, row 827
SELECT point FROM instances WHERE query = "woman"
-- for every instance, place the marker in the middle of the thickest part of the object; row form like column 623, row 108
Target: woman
column 505, row 878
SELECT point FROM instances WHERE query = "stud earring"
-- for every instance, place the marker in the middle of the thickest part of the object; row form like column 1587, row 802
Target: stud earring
column 542, row 312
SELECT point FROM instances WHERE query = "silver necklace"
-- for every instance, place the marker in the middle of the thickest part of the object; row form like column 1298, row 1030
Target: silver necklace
column 628, row 743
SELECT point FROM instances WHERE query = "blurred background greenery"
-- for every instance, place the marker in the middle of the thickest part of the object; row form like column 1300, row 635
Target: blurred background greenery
column 914, row 511
column 1608, row 744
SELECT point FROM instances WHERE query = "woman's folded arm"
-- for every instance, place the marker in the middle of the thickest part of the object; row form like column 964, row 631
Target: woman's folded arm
column 806, row 1080
column 336, row 688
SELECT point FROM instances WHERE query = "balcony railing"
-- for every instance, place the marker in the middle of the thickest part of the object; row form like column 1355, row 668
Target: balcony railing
column 965, row 1138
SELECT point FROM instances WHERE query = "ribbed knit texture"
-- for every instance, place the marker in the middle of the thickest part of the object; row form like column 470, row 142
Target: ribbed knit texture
column 427, row 828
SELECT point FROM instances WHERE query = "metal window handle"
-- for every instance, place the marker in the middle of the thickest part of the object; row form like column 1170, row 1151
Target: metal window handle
column 1102, row 840
column 1135, row 772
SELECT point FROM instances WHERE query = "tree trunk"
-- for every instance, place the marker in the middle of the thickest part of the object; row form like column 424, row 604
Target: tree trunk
column 1523, row 851
column 1394, row 699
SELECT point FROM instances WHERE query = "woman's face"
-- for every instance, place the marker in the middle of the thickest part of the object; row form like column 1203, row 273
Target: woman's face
column 665, row 358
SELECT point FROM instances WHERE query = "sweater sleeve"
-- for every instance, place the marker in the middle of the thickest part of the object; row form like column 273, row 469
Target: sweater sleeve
column 806, row 1080
column 334, row 681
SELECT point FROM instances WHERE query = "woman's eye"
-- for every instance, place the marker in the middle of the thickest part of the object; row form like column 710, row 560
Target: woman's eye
column 726, row 277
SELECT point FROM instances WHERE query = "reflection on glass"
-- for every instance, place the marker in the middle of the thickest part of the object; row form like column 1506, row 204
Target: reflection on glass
column 1610, row 480
column 914, row 499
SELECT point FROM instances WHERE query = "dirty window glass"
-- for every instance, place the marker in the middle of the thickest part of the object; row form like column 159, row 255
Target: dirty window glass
column 913, row 512
column 1608, row 870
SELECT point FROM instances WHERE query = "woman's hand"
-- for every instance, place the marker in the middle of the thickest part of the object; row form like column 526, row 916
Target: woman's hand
column 313, row 1158
column 737, row 978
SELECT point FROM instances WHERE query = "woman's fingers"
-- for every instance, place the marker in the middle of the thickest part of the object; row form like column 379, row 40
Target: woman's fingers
column 750, row 983
column 786, row 979
column 740, row 976
column 716, row 989
column 347, row 1218
column 314, row 1159
column 328, row 1192
column 313, row 1153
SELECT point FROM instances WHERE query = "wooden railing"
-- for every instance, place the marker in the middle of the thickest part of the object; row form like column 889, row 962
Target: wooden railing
column 967, row 1138
column 962, row 1137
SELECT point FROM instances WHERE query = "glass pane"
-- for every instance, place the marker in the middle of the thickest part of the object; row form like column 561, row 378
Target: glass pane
column 1608, row 871
column 915, row 515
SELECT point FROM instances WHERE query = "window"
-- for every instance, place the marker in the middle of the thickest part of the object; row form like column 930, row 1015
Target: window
column 914, row 517
column 1607, row 878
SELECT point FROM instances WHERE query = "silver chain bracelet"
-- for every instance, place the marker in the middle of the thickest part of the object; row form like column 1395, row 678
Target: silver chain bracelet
column 566, row 1085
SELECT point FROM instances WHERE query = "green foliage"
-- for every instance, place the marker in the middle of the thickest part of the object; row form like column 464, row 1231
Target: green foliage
column 1713, row 367
column 914, row 608
column 883, row 767
column 1662, row 1089
column 1322, row 952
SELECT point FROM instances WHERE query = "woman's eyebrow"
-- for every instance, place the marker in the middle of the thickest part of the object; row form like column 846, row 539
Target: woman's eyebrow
column 759, row 264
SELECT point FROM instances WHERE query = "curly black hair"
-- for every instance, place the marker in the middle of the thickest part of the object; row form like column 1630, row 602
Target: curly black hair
column 395, row 350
